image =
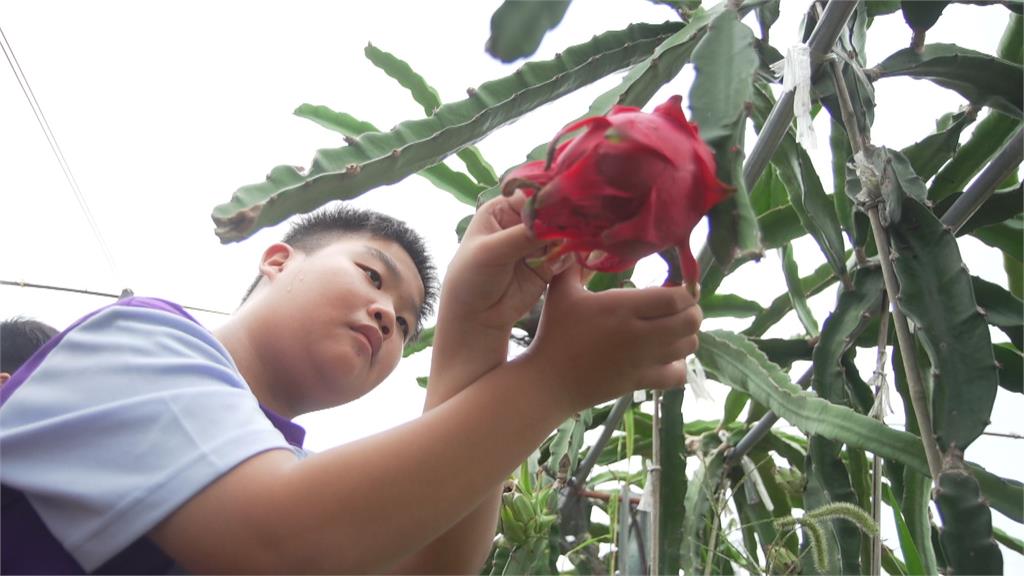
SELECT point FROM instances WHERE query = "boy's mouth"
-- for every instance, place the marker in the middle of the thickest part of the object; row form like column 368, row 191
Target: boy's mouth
column 372, row 336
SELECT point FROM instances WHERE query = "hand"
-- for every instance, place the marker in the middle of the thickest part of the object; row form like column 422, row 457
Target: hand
column 603, row 345
column 488, row 286
column 489, row 283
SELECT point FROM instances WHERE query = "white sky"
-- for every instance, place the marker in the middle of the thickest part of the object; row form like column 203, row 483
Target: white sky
column 162, row 109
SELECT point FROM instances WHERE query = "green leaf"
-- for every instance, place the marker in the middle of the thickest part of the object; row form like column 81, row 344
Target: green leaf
column 649, row 75
column 780, row 226
column 841, row 155
column 1011, row 367
column 736, row 362
column 916, row 501
column 796, row 295
column 478, row 167
column 768, row 192
column 936, row 294
column 1005, row 236
column 907, row 547
column 980, row 78
column 396, row 68
column 767, row 14
column 785, row 351
column 725, row 62
column 376, row 159
column 988, row 138
column 422, row 342
column 854, row 307
column 565, row 448
column 673, row 481
column 456, row 183
column 422, row 381
column 882, row 7
column 1015, row 544
column 427, row 97
column 341, row 122
column 517, row 28
column 735, row 401
column 1011, row 45
column 1014, row 274
column 1001, row 308
column 1003, row 494
column 927, row 155
column 701, row 500
column 728, row 305
column 827, row 473
column 810, row 285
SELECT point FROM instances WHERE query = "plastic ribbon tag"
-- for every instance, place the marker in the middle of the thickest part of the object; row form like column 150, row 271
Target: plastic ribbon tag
column 796, row 76
column 695, row 380
column 882, row 406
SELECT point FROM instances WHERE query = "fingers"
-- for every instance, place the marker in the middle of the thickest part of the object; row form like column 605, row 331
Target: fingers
column 510, row 244
column 567, row 282
column 651, row 303
column 666, row 376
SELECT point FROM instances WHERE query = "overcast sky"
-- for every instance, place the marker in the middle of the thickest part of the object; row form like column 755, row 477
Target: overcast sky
column 163, row 109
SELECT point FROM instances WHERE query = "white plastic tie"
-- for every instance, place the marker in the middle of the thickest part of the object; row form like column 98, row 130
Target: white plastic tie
column 882, row 405
column 696, row 378
column 797, row 77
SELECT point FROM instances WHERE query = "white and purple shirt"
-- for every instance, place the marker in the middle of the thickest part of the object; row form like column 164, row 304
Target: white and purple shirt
column 110, row 427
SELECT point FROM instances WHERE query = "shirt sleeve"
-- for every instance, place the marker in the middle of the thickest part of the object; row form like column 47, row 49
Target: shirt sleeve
column 130, row 415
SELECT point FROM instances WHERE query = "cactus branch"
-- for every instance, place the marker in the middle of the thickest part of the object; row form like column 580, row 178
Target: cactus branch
column 908, row 347
column 761, row 429
column 918, row 395
column 985, row 184
column 579, row 479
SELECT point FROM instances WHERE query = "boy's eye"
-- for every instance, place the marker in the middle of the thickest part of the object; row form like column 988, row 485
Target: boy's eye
column 374, row 276
column 405, row 327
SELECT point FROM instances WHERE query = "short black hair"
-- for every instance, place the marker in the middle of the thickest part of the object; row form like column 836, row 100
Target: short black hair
column 19, row 339
column 314, row 231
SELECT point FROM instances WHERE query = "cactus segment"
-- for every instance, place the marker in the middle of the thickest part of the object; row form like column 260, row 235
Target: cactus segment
column 371, row 161
column 937, row 295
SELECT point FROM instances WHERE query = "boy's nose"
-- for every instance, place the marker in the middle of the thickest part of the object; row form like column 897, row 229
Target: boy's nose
column 385, row 321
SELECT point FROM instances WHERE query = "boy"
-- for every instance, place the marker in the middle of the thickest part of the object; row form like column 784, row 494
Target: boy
column 199, row 477
column 19, row 340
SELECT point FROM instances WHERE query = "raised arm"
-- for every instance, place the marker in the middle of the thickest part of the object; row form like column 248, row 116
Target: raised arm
column 487, row 288
column 362, row 506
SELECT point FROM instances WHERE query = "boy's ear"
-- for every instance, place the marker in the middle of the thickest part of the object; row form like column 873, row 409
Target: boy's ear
column 275, row 258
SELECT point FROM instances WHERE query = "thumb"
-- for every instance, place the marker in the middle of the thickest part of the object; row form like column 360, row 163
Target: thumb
column 511, row 244
column 567, row 283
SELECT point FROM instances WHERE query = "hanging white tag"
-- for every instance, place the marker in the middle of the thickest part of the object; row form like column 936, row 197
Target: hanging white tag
column 696, row 378
column 882, row 407
column 797, row 77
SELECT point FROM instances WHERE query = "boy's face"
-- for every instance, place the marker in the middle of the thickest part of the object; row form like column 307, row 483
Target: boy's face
column 339, row 319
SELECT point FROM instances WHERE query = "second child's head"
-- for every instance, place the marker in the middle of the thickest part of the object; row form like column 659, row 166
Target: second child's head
column 334, row 304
